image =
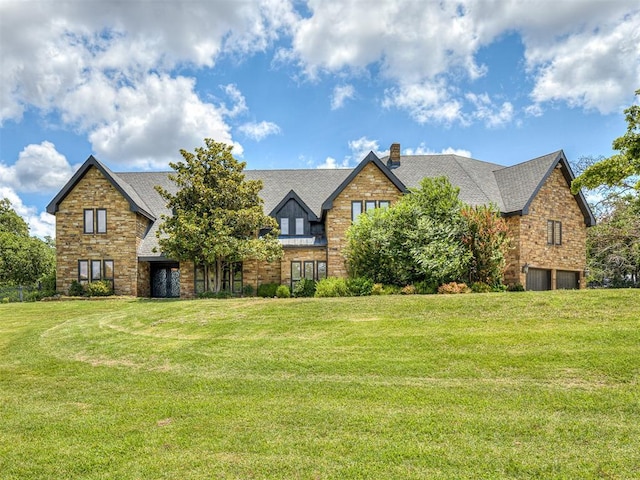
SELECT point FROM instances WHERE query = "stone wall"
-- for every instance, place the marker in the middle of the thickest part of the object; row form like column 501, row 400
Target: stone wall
column 302, row 254
column 369, row 184
column 118, row 244
column 256, row 273
column 554, row 201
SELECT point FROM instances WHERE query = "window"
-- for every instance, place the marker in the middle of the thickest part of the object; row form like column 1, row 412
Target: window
column 554, row 232
column 296, row 273
column 308, row 270
column 108, row 272
column 370, row 205
column 95, row 220
column 384, row 204
column 356, row 210
column 284, row 226
column 83, row 271
column 88, row 221
column 96, row 270
column 321, row 270
column 101, row 216
column 299, row 226
column 200, row 279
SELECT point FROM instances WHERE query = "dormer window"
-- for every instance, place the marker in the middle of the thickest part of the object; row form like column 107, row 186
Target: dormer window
column 299, row 226
column 284, row 226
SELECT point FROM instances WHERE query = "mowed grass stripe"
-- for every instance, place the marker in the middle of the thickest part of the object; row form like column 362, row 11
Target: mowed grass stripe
column 533, row 385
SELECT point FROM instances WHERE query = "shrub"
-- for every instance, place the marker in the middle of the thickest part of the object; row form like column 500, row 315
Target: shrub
column 453, row 287
column 283, row 292
column 408, row 290
column 359, row 287
column 481, row 287
column 305, row 288
column 101, row 288
column 76, row 289
column 332, row 287
column 515, row 287
column 267, row 290
column 377, row 289
column 391, row 290
column 248, row 290
column 426, row 288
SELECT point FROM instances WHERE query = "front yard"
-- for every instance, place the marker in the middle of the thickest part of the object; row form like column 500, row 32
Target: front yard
column 520, row 385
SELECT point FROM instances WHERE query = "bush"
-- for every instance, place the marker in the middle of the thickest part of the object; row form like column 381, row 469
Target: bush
column 481, row 287
column 426, row 288
column 453, row 287
column 377, row 289
column 359, row 287
column 283, row 292
column 391, row 290
column 408, row 290
column 267, row 290
column 515, row 287
column 101, row 288
column 220, row 294
column 248, row 290
column 304, row 288
column 76, row 289
column 332, row 287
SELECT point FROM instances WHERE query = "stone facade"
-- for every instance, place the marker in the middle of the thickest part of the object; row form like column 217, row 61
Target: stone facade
column 119, row 243
column 554, row 201
column 370, row 184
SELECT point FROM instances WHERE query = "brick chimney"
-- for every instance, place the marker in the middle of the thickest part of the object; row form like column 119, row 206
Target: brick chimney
column 394, row 156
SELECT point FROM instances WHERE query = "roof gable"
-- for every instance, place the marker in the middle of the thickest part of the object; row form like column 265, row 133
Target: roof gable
column 136, row 203
column 294, row 196
column 521, row 183
column 370, row 158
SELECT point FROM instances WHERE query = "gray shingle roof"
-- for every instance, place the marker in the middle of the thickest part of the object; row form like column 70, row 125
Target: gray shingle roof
column 510, row 188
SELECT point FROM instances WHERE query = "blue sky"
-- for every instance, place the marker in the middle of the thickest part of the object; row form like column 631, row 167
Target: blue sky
column 304, row 84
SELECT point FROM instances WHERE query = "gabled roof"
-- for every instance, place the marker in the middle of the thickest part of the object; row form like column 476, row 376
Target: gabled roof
column 294, row 196
column 370, row 158
column 136, row 203
column 521, row 183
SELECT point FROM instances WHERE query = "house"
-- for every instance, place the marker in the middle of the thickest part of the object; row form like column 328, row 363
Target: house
column 106, row 222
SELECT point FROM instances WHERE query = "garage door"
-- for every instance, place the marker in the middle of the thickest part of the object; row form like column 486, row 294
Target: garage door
column 538, row 279
column 567, row 280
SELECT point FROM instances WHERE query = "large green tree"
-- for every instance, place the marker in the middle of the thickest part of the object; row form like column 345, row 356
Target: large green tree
column 621, row 169
column 23, row 259
column 217, row 214
column 417, row 239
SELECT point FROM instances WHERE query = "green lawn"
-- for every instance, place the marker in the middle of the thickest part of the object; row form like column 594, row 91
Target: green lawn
column 521, row 385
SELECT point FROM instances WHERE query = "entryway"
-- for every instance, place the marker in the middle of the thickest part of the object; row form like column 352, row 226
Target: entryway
column 165, row 280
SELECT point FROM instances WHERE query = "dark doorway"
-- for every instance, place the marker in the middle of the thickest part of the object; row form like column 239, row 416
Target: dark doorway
column 165, row 280
column 567, row 280
column 538, row 279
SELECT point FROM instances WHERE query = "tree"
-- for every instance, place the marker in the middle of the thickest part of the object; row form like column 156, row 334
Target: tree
column 613, row 246
column 417, row 239
column 621, row 169
column 217, row 214
column 23, row 259
column 486, row 236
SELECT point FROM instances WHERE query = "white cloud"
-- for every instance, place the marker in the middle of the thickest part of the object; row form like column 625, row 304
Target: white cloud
column 422, row 149
column 40, row 224
column 592, row 70
column 425, row 102
column 239, row 104
column 40, row 168
column 260, row 130
column 331, row 162
column 490, row 114
column 341, row 93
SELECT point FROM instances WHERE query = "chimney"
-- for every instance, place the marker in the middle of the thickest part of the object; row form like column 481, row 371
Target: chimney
column 394, row 156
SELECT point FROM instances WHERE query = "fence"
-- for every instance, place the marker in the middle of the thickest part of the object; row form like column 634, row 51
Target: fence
column 20, row 293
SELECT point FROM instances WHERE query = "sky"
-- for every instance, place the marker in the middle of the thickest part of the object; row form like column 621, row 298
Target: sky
column 304, row 84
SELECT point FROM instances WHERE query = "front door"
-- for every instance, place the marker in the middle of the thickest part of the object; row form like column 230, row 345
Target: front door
column 165, row 280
